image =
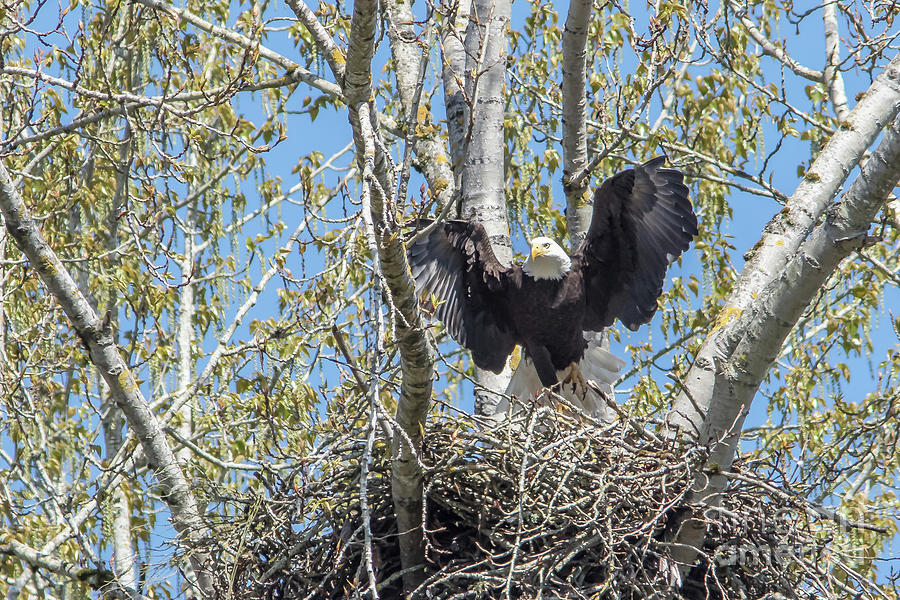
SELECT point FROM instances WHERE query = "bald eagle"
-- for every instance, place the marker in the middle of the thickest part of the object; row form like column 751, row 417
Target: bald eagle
column 642, row 221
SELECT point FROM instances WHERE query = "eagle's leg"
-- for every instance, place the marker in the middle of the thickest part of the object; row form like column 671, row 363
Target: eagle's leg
column 543, row 364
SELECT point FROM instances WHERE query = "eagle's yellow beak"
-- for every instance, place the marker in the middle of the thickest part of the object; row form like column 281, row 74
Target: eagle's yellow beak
column 537, row 250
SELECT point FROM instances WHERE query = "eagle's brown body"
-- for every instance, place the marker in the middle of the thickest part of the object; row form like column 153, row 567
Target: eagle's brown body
column 552, row 319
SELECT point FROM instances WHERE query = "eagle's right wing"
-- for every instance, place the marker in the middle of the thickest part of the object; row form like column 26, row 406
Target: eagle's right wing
column 455, row 264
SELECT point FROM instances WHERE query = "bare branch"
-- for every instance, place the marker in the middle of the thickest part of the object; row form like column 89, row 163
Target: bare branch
column 771, row 49
column 245, row 42
column 97, row 579
column 832, row 77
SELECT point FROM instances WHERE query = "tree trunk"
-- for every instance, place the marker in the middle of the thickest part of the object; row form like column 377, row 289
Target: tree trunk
column 428, row 146
column 579, row 208
column 484, row 176
column 453, row 76
column 784, row 270
column 113, row 421
column 390, row 263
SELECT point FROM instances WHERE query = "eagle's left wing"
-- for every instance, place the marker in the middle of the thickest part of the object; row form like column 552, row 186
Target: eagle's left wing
column 642, row 221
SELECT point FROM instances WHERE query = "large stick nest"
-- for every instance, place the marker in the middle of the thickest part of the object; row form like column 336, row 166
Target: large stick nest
column 546, row 505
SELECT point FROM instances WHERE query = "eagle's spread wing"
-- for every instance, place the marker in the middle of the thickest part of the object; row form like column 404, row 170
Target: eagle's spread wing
column 642, row 221
column 455, row 264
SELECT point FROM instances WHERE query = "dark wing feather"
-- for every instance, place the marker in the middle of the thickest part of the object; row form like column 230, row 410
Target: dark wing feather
column 642, row 221
column 455, row 264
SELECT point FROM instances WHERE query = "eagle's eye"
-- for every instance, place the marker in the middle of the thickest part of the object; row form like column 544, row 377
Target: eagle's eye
column 546, row 244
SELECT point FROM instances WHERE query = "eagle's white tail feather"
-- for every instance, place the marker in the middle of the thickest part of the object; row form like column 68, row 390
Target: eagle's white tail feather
column 597, row 365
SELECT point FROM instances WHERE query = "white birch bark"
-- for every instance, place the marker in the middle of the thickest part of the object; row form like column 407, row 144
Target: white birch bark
column 483, row 189
column 415, row 354
column 453, row 76
column 427, row 145
column 783, row 301
column 484, row 176
column 122, row 543
column 184, row 333
column 324, row 42
column 409, row 70
column 781, row 238
column 461, row 100
column 731, row 365
column 833, row 79
column 579, row 207
column 104, row 354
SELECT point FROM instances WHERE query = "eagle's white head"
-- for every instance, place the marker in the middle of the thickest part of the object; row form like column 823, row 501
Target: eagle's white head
column 547, row 261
